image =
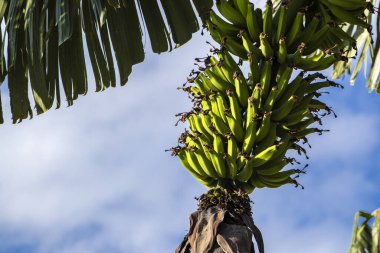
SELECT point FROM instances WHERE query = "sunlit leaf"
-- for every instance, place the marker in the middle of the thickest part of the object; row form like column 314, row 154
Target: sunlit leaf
column 46, row 42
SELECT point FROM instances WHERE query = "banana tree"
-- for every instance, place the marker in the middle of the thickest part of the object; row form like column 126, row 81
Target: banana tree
column 242, row 124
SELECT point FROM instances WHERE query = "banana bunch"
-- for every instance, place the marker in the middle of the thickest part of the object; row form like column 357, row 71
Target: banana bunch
column 242, row 126
column 304, row 34
column 240, row 132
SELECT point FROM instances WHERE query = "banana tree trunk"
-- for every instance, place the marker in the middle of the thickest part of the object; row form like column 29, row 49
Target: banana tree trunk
column 222, row 224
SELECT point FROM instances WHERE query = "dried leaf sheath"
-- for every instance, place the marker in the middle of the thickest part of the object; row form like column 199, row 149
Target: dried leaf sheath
column 222, row 224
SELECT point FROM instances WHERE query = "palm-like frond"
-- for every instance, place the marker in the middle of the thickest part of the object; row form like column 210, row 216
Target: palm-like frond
column 366, row 236
column 43, row 43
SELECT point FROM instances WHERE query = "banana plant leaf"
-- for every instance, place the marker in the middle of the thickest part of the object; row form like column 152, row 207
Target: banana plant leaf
column 43, row 44
column 366, row 234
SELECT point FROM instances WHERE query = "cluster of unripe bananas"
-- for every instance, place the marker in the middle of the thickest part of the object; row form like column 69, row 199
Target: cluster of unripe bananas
column 241, row 128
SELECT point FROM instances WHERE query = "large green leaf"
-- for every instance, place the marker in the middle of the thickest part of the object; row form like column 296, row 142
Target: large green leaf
column 46, row 41
column 366, row 234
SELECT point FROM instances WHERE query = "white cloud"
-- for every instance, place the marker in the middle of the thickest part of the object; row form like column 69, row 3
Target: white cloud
column 102, row 162
column 351, row 134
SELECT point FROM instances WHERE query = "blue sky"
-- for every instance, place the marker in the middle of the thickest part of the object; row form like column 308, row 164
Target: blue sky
column 94, row 177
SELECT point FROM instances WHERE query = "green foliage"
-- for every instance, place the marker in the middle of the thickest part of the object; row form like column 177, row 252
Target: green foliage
column 366, row 235
column 42, row 46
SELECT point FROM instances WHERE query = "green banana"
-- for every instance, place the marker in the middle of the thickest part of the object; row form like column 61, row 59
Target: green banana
column 206, row 181
column 295, row 29
column 222, row 106
column 268, row 141
column 283, row 80
column 217, row 81
column 253, row 27
column 214, row 106
column 250, row 136
column 245, row 174
column 282, row 51
column 289, row 90
column 205, row 164
column 311, row 60
column 256, row 97
column 281, row 25
column 198, row 82
column 241, row 88
column 308, row 33
column 259, row 17
column 207, row 82
column 235, row 47
column 256, row 182
column 316, row 104
column 242, row 6
column 235, row 107
column 267, row 19
column 216, row 67
column 269, row 153
column 235, row 126
column 295, row 117
column 271, row 99
column 247, row 187
column 254, row 67
column 317, row 39
column 249, row 46
column 232, row 166
column 303, row 103
column 193, row 162
column 205, row 120
column 281, row 176
column 214, row 31
column 323, row 64
column 205, row 143
column 301, row 125
column 205, row 106
column 296, row 57
column 218, row 143
column 229, row 62
column 223, row 26
column 218, row 163
column 283, row 111
column 272, row 167
column 251, row 112
column 230, row 13
column 219, row 124
column 266, row 78
column 274, row 181
column 303, row 133
column 265, row 46
column 264, row 127
column 232, row 147
column 192, row 123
